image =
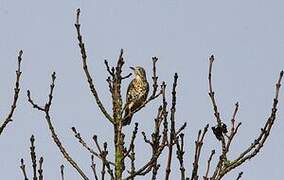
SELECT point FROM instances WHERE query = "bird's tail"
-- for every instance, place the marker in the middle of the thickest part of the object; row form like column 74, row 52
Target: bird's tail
column 127, row 117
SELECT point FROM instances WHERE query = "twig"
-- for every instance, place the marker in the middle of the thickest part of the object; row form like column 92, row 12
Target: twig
column 132, row 159
column 16, row 94
column 156, row 150
column 134, row 133
column 86, row 146
column 62, row 171
column 85, row 67
column 103, row 154
column 93, row 166
column 51, row 128
column 198, row 147
column 172, row 132
column 239, row 176
column 180, row 153
column 208, row 165
column 127, row 76
column 110, row 71
column 23, row 167
column 156, row 141
column 180, row 129
column 154, row 77
column 234, row 128
column 33, row 157
column 221, row 127
column 40, row 170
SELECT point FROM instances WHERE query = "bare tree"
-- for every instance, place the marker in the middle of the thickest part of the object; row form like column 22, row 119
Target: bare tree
column 166, row 137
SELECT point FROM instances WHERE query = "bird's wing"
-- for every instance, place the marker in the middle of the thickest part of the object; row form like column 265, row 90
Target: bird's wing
column 140, row 97
column 129, row 95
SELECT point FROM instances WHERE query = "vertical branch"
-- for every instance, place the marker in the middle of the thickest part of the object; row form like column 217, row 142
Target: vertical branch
column 198, row 147
column 180, row 153
column 85, row 67
column 40, row 170
column 16, row 94
column 117, row 117
column 208, row 165
column 62, row 171
column 23, row 168
column 33, row 157
column 234, row 128
column 212, row 93
column 132, row 158
column 103, row 155
column 154, row 77
column 221, row 128
column 132, row 144
column 93, row 166
column 156, row 141
column 172, row 133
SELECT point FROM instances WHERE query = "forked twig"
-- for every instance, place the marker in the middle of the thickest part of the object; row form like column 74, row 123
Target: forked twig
column 51, row 128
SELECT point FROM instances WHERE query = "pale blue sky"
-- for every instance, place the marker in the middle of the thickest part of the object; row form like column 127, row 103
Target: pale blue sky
column 246, row 38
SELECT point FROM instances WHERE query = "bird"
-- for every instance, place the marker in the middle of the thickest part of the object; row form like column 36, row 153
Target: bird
column 218, row 130
column 136, row 95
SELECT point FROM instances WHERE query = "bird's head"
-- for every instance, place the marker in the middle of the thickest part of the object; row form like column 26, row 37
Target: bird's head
column 139, row 72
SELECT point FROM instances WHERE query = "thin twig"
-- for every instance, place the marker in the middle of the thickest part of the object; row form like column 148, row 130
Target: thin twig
column 33, row 157
column 220, row 125
column 180, row 152
column 93, row 166
column 154, row 77
column 62, row 171
column 239, row 176
column 103, row 155
column 208, row 165
column 40, row 170
column 16, row 94
column 23, row 168
column 172, row 130
column 134, row 133
column 198, row 147
column 86, row 146
column 85, row 67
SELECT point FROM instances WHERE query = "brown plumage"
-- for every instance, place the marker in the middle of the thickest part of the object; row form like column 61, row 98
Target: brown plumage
column 137, row 93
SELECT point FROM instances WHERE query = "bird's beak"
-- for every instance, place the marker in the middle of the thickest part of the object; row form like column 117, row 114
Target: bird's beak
column 132, row 68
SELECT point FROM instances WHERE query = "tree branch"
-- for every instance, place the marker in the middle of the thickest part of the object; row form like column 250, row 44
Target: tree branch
column 85, row 67
column 51, row 128
column 23, row 168
column 198, row 147
column 16, row 94
column 86, row 146
column 258, row 143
